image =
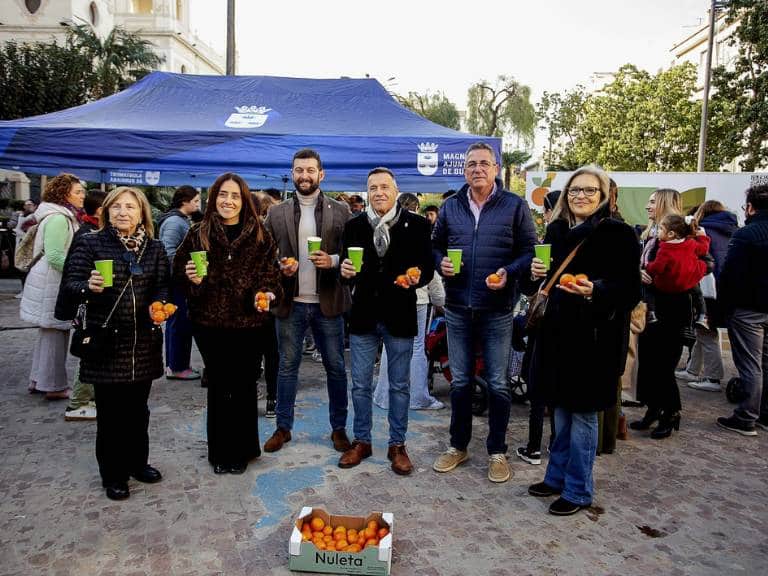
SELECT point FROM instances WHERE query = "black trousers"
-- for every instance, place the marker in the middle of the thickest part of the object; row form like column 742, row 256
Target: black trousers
column 233, row 424
column 659, row 350
column 266, row 347
column 122, row 429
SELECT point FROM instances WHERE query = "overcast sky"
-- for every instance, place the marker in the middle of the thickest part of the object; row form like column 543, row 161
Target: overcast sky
column 446, row 46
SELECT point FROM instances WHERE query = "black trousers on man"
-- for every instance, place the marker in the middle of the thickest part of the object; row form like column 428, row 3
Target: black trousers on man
column 122, row 429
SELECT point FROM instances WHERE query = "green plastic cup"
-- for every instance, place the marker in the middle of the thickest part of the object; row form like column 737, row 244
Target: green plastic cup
column 544, row 253
column 104, row 267
column 313, row 243
column 356, row 255
column 201, row 262
column 455, row 255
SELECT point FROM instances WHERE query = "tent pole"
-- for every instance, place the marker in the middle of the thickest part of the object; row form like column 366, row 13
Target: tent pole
column 230, row 37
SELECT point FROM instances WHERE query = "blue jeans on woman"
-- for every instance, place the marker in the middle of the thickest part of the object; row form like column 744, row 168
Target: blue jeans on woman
column 572, row 455
column 492, row 330
column 363, row 349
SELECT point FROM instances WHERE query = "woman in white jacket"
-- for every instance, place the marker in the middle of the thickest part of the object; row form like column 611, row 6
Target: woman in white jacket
column 57, row 222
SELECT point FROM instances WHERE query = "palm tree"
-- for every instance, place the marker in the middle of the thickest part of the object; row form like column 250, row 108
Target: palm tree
column 119, row 60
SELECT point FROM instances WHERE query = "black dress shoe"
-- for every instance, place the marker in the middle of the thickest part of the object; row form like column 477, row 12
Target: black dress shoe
column 543, row 490
column 666, row 424
column 220, row 469
column 651, row 415
column 563, row 507
column 238, row 468
column 148, row 475
column 118, row 491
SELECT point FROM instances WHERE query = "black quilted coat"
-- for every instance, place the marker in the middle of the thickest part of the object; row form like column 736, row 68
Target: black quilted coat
column 136, row 348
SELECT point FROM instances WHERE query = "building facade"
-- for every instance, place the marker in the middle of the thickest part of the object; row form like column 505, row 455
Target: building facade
column 165, row 23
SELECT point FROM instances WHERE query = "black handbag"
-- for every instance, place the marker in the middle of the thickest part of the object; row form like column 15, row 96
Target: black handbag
column 538, row 304
column 92, row 341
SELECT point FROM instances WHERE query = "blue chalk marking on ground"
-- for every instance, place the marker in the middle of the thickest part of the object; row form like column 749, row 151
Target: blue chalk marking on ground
column 273, row 488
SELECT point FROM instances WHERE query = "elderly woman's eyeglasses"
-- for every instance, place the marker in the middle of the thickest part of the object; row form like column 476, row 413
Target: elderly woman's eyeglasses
column 588, row 191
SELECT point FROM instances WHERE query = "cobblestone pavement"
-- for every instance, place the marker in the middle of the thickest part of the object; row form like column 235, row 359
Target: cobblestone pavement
column 693, row 504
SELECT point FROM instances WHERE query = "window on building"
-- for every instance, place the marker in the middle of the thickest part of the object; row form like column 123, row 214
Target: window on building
column 183, row 69
column 93, row 12
column 142, row 6
column 32, row 5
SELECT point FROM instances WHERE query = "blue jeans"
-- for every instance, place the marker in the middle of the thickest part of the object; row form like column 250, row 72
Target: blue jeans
column 178, row 335
column 492, row 332
column 572, row 455
column 363, row 349
column 748, row 333
column 328, row 333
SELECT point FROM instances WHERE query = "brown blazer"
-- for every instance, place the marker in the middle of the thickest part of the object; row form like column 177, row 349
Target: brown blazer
column 282, row 224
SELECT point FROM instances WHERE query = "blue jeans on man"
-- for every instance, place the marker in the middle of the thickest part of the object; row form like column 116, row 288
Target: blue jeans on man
column 492, row 331
column 363, row 350
column 572, row 455
column 328, row 333
column 748, row 334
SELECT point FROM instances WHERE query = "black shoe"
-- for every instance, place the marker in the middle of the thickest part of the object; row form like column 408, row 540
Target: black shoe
column 542, row 490
column 270, row 413
column 734, row 424
column 666, row 424
column 148, row 475
column 118, row 491
column 651, row 415
column 238, row 468
column 530, row 456
column 562, row 507
column 220, row 469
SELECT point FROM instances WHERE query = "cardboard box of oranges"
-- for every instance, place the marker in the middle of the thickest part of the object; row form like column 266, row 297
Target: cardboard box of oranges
column 316, row 535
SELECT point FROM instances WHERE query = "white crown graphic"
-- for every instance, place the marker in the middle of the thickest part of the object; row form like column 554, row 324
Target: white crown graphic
column 427, row 147
column 252, row 109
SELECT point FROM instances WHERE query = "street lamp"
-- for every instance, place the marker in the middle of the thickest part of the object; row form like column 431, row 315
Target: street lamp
column 716, row 6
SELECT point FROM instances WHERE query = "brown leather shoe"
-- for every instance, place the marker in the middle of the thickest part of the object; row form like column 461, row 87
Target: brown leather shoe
column 276, row 441
column 401, row 464
column 356, row 454
column 340, row 441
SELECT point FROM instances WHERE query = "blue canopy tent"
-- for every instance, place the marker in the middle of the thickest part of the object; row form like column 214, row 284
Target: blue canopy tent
column 171, row 129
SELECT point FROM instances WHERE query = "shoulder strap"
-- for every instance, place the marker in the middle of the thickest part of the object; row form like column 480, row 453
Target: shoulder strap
column 562, row 267
column 111, row 312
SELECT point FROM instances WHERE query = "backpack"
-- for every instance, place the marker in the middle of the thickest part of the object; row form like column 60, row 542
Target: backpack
column 25, row 257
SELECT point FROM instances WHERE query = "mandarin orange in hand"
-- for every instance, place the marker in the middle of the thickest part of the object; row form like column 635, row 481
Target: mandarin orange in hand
column 169, row 308
column 579, row 277
column 494, row 278
column 402, row 281
column 158, row 317
column 413, row 273
column 567, row 279
column 156, row 306
column 290, row 261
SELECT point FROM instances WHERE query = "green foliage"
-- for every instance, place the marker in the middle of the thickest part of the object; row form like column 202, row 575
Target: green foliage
column 118, row 60
column 740, row 101
column 41, row 78
column 511, row 162
column 643, row 122
column 434, row 107
column 561, row 115
column 503, row 108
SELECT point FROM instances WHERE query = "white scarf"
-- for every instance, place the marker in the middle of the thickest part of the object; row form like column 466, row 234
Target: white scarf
column 381, row 226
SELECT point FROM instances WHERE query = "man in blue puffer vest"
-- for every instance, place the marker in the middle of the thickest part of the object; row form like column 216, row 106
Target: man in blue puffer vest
column 495, row 232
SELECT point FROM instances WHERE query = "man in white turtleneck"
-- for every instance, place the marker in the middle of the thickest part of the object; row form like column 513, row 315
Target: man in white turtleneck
column 314, row 296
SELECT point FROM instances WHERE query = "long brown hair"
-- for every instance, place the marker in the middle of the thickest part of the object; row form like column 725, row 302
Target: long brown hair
column 248, row 213
column 709, row 207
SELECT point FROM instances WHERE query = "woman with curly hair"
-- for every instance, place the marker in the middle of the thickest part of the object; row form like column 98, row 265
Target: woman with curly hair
column 57, row 220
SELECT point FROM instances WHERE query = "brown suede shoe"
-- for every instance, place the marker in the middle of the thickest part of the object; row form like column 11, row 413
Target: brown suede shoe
column 340, row 441
column 401, row 464
column 276, row 441
column 356, row 454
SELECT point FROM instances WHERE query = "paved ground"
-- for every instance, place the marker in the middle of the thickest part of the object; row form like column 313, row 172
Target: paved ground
column 694, row 504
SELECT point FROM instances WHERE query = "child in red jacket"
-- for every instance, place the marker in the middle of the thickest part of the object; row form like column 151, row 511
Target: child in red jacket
column 678, row 266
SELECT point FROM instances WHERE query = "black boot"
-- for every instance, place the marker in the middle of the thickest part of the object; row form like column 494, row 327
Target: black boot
column 651, row 415
column 666, row 423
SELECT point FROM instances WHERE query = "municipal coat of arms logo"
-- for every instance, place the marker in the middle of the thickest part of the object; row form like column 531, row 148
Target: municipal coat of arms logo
column 427, row 158
column 248, row 117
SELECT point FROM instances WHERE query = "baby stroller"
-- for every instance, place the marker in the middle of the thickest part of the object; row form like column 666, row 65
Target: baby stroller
column 438, row 362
